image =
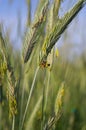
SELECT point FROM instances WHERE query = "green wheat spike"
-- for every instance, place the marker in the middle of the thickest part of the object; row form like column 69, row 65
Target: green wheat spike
column 60, row 27
column 33, row 35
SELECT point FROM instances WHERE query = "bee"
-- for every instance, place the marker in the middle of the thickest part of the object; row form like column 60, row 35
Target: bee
column 44, row 64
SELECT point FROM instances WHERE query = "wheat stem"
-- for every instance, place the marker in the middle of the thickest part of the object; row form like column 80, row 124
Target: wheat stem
column 13, row 123
column 22, row 100
column 43, row 101
column 47, row 89
column 33, row 33
column 30, row 95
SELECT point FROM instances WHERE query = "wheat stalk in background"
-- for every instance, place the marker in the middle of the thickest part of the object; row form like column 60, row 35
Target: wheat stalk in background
column 10, row 80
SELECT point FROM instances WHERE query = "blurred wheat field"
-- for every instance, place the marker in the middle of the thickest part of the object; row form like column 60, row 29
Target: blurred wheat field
column 42, row 85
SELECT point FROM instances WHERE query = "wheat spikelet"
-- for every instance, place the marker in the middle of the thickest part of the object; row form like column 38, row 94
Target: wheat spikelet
column 51, row 122
column 11, row 97
column 59, row 99
column 33, row 34
column 60, row 27
column 5, row 65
